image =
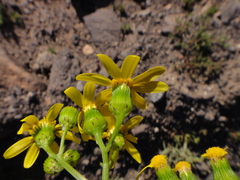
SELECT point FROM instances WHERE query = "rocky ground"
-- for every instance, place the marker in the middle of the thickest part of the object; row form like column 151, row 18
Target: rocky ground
column 45, row 44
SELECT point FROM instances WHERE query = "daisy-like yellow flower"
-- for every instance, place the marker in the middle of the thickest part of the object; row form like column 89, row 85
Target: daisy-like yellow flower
column 91, row 109
column 221, row 168
column 163, row 170
column 143, row 83
column 124, row 140
column 184, row 169
column 215, row 153
column 47, row 128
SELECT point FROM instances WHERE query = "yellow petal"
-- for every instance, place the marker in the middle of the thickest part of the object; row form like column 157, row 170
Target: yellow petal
column 75, row 129
column 18, row 147
column 151, row 87
column 131, row 123
column 85, row 137
column 80, row 116
column 54, row 111
column 139, row 174
column 69, row 136
column 89, row 92
column 129, row 65
column 133, row 151
column 131, row 138
column 31, row 156
column 95, row 78
column 31, row 119
column 54, row 147
column 75, row 95
column 103, row 96
column 149, row 75
column 110, row 66
column 24, row 127
column 138, row 100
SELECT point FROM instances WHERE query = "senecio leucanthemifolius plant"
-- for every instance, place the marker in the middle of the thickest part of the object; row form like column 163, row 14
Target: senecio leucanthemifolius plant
column 103, row 119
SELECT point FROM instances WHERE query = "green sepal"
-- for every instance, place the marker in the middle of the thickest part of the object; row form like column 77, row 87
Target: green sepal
column 51, row 166
column 68, row 117
column 166, row 173
column 94, row 123
column 222, row 170
column 121, row 100
column 72, row 156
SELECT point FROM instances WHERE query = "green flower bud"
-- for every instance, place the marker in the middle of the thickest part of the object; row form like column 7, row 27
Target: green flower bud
column 68, row 117
column 51, row 166
column 72, row 156
column 121, row 100
column 118, row 143
column 45, row 135
column 94, row 122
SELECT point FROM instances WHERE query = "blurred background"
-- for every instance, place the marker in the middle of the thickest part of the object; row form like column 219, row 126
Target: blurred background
column 44, row 44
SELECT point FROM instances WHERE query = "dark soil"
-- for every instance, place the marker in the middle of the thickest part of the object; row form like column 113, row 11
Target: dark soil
column 45, row 44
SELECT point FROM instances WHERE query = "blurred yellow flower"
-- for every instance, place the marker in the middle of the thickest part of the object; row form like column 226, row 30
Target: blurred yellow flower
column 214, row 153
column 33, row 125
column 143, row 83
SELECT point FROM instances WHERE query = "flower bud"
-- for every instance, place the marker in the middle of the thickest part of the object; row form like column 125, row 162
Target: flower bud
column 72, row 156
column 68, row 117
column 94, row 122
column 121, row 101
column 51, row 166
column 118, row 143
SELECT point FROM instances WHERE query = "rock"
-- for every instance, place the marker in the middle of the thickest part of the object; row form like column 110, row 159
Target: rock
column 169, row 22
column 43, row 61
column 60, row 78
column 13, row 75
column 87, row 49
column 230, row 10
column 155, row 97
column 144, row 13
column 104, row 26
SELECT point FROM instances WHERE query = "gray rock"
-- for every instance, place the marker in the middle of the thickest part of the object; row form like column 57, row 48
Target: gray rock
column 104, row 26
column 170, row 22
column 230, row 10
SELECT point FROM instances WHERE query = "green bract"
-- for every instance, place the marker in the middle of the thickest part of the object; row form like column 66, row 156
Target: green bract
column 68, row 117
column 94, row 122
column 72, row 156
column 121, row 101
column 51, row 166
column 45, row 136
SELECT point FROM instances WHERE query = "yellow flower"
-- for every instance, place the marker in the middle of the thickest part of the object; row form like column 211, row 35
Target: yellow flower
column 33, row 125
column 128, row 138
column 157, row 162
column 184, row 169
column 220, row 166
column 143, row 83
column 215, row 153
column 87, row 102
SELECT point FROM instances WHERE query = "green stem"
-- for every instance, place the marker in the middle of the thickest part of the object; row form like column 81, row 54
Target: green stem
column 61, row 148
column 64, row 164
column 105, row 165
column 119, row 121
